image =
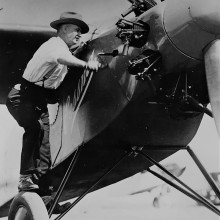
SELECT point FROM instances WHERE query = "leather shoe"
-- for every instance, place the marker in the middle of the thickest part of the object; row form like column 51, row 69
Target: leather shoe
column 26, row 184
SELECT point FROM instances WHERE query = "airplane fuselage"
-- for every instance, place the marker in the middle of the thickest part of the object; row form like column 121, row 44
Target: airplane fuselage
column 120, row 111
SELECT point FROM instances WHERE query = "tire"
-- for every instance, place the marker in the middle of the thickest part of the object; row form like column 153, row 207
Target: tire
column 27, row 206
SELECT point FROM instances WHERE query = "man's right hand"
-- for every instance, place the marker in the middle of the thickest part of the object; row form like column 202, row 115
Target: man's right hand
column 93, row 65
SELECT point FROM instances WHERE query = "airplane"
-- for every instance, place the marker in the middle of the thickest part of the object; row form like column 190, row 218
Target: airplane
column 159, row 72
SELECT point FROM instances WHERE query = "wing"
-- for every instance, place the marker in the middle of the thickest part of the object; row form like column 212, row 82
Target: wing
column 18, row 44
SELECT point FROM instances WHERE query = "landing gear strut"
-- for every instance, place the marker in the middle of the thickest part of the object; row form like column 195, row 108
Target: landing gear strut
column 24, row 205
column 190, row 193
column 135, row 151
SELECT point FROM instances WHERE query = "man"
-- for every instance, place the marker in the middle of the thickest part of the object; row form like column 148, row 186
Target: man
column 27, row 102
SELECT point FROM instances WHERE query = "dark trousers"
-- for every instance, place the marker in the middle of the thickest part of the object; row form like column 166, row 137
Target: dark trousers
column 29, row 109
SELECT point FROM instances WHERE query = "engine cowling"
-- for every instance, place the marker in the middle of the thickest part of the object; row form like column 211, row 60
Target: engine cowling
column 192, row 24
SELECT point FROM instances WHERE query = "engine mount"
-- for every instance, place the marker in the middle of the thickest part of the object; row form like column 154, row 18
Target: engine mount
column 183, row 94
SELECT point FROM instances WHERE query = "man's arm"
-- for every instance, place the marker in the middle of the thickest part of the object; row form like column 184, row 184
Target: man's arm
column 73, row 61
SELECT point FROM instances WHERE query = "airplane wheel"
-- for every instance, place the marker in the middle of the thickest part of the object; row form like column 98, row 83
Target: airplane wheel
column 27, row 206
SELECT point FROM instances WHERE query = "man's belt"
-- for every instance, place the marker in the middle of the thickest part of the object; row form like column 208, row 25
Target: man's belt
column 40, row 93
column 26, row 83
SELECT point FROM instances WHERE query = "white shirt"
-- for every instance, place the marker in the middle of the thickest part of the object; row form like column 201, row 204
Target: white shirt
column 43, row 68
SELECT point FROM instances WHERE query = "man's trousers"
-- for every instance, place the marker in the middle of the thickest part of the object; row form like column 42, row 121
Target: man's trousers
column 30, row 111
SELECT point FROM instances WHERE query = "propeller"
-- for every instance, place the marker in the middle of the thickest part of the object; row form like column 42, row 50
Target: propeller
column 212, row 67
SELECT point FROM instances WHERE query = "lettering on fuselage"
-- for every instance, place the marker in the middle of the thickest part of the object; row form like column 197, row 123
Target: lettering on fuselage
column 73, row 104
column 78, row 93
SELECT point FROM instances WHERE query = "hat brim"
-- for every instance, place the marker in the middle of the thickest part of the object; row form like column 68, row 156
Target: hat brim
column 84, row 27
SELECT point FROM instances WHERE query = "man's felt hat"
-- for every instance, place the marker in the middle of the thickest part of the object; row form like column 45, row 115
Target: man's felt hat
column 71, row 18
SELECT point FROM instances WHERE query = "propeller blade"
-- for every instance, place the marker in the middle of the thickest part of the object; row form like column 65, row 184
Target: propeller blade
column 212, row 67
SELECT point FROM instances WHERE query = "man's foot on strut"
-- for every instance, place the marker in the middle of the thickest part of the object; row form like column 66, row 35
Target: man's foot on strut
column 26, row 184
